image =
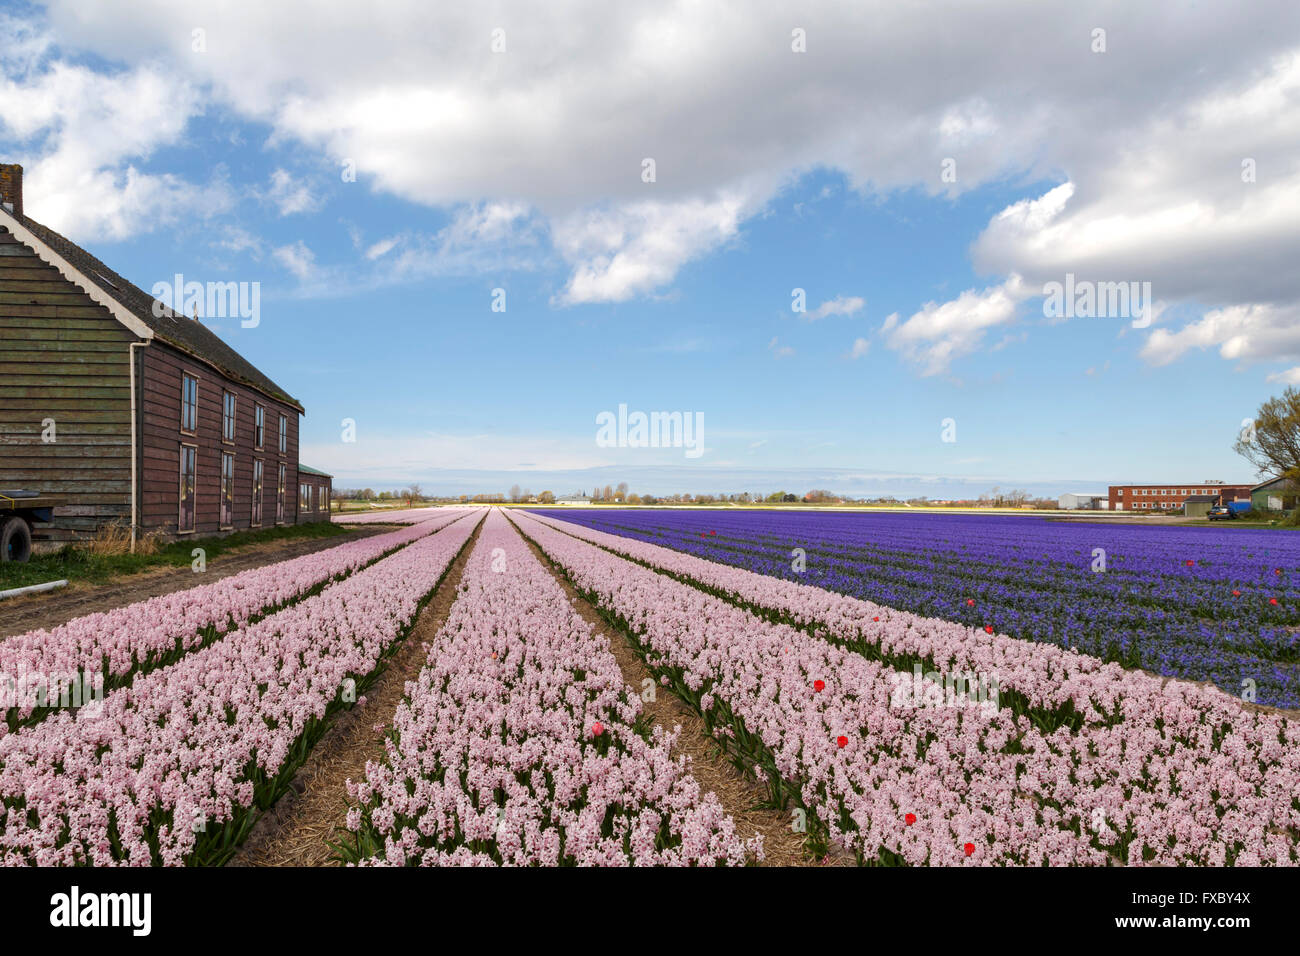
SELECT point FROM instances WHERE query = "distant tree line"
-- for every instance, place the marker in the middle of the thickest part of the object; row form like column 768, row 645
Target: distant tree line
column 620, row 494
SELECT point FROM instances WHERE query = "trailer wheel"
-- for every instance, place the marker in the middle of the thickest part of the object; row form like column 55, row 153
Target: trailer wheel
column 15, row 540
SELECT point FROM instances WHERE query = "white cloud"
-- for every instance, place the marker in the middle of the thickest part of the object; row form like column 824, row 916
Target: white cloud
column 1150, row 136
column 85, row 137
column 1240, row 332
column 941, row 332
column 1290, row 377
column 290, row 195
column 860, row 348
column 381, row 248
column 298, row 259
column 398, row 457
column 840, row 305
column 634, row 248
column 779, row 350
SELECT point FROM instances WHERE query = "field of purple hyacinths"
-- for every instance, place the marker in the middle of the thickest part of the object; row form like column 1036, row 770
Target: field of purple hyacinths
column 1220, row 605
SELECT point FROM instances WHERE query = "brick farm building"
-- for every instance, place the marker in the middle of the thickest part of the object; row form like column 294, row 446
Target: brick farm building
column 1166, row 496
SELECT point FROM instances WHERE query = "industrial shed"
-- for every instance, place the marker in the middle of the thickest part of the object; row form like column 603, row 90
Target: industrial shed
column 125, row 410
column 1074, row 501
column 1275, row 494
column 1198, row 506
column 313, row 494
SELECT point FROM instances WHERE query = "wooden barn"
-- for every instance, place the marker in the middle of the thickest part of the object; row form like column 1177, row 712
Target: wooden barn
column 127, row 411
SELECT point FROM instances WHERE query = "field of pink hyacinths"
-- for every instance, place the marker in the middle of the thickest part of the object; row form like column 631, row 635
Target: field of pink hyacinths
column 895, row 738
column 519, row 744
column 114, row 646
column 170, row 768
column 1079, row 762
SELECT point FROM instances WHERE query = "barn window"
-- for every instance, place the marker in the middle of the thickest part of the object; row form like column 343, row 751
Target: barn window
column 189, row 402
column 284, row 435
column 259, row 425
column 185, row 518
column 227, row 489
column 304, row 497
column 257, row 492
column 279, row 497
column 228, row 416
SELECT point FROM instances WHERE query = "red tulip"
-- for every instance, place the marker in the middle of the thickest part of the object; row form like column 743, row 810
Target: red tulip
column 988, row 628
column 1191, row 564
column 842, row 741
column 875, row 619
column 1272, row 600
column 1236, row 594
column 970, row 602
column 819, row 685
column 1277, row 570
column 970, row 849
column 597, row 729
column 910, row 819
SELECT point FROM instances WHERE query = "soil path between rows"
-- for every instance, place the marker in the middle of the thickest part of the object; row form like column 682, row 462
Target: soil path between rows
column 47, row 610
column 298, row 830
column 739, row 795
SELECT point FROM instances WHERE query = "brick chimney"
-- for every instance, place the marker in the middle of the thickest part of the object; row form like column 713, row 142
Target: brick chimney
column 11, row 188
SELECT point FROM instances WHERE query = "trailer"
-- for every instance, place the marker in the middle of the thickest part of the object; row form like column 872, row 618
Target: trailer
column 19, row 510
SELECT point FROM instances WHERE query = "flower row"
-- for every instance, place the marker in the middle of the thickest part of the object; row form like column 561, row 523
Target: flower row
column 1048, row 678
column 1206, row 605
column 113, row 646
column 518, row 744
column 925, row 779
column 172, row 768
column 389, row 516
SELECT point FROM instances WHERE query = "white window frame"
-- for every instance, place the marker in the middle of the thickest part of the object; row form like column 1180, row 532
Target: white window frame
column 226, row 489
column 180, row 498
column 228, row 398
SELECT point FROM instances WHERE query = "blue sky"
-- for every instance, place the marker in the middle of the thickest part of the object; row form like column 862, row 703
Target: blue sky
column 480, row 171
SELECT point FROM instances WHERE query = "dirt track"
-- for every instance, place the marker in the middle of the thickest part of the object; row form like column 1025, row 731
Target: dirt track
column 19, row 615
column 297, row 831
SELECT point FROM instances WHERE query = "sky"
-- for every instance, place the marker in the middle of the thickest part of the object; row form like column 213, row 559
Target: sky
column 476, row 228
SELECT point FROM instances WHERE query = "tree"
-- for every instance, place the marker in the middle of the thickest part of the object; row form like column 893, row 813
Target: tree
column 514, row 492
column 621, row 491
column 417, row 492
column 1272, row 441
column 546, row 498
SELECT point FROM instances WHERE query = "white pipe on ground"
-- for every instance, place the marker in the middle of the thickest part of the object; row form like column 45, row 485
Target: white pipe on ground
column 32, row 589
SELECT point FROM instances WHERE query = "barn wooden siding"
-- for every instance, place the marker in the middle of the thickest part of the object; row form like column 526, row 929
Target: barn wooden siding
column 62, row 357
column 320, row 496
column 161, row 438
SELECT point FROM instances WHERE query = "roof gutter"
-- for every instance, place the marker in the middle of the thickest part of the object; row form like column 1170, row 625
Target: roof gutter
column 135, row 438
